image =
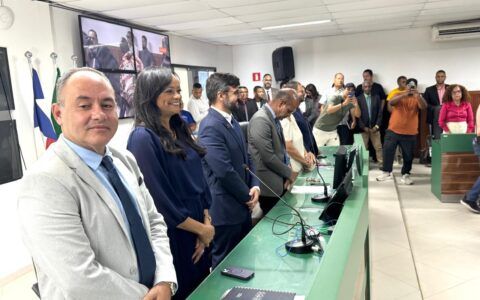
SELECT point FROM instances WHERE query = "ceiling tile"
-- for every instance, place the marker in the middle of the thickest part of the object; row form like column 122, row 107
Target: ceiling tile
column 259, row 8
column 165, row 9
column 199, row 24
column 198, row 16
column 285, row 14
column 102, row 5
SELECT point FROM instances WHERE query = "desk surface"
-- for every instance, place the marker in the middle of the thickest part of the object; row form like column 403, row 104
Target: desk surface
column 265, row 254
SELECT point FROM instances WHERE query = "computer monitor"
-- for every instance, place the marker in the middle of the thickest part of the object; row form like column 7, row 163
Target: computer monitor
column 340, row 166
column 351, row 157
column 334, row 206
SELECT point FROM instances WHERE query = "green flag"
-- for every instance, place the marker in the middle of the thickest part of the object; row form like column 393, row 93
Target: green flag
column 56, row 127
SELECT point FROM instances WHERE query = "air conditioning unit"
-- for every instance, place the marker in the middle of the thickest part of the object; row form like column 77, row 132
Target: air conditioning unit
column 456, row 31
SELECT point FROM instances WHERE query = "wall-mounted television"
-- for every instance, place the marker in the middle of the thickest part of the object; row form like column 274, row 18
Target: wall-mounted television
column 6, row 95
column 121, row 51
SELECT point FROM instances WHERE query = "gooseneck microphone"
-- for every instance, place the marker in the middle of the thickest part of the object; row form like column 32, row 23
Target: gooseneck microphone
column 325, row 197
column 301, row 246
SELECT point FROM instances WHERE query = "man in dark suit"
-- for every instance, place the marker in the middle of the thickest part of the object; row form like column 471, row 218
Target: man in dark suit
column 234, row 191
column 371, row 111
column 267, row 147
column 259, row 96
column 270, row 92
column 433, row 95
column 377, row 89
column 308, row 139
column 245, row 107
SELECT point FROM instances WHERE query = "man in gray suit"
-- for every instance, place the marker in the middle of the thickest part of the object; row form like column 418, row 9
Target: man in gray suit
column 86, row 216
column 267, row 147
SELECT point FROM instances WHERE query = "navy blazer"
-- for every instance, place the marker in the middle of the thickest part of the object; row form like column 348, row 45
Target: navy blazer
column 223, row 166
column 376, row 112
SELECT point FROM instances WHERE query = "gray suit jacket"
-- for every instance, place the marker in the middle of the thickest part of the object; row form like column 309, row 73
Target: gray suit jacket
column 76, row 234
column 267, row 151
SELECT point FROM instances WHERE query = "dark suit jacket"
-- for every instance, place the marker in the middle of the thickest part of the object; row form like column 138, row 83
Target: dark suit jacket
column 239, row 110
column 308, row 139
column 229, row 182
column 431, row 96
column 376, row 112
column 377, row 89
column 262, row 102
column 268, row 152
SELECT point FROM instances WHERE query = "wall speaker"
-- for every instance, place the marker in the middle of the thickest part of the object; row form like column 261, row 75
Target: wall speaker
column 283, row 66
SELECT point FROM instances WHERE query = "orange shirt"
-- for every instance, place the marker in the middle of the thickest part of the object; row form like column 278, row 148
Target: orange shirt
column 404, row 118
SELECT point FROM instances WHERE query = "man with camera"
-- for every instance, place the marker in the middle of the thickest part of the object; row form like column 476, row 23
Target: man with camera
column 402, row 130
column 336, row 109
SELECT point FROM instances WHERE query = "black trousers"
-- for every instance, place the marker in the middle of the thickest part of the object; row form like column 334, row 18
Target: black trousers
column 267, row 203
column 345, row 135
column 406, row 143
column 226, row 238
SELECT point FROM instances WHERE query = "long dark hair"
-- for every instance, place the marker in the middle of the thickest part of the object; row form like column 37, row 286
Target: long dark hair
column 151, row 82
column 313, row 90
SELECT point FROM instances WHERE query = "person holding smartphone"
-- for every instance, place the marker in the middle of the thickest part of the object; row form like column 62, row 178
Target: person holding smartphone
column 402, row 130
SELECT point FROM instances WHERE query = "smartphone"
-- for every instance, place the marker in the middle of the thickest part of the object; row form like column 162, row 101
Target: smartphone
column 239, row 273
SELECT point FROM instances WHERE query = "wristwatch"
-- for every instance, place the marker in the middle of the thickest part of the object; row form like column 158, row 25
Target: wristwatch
column 171, row 285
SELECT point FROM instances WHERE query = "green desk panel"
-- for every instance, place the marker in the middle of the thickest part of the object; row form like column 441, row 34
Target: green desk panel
column 315, row 275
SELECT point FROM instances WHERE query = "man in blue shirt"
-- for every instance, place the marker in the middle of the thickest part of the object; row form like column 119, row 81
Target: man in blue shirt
column 86, row 216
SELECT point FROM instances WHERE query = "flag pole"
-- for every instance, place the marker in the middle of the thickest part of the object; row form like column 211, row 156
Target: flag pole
column 74, row 59
column 29, row 55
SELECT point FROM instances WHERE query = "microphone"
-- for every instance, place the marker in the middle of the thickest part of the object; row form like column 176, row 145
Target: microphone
column 320, row 197
column 301, row 246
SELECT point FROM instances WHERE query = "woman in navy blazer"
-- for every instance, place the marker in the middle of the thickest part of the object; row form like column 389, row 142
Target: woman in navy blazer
column 170, row 161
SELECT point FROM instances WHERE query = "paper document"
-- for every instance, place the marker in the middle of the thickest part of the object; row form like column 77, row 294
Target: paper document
column 309, row 189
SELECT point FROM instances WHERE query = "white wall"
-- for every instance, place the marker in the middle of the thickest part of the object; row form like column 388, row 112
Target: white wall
column 389, row 54
column 41, row 30
column 31, row 31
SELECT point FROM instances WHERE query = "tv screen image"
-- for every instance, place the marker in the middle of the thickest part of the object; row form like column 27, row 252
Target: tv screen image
column 152, row 49
column 105, row 44
column 121, row 51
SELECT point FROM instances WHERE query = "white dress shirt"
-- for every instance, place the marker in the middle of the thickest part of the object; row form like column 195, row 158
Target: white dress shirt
column 198, row 108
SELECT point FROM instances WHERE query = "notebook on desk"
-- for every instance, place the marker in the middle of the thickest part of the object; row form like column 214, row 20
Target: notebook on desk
column 247, row 293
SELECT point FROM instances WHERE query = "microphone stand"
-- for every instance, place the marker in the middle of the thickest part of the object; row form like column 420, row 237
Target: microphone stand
column 325, row 197
column 297, row 246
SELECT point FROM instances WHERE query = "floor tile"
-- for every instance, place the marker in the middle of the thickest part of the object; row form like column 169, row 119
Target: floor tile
column 457, row 262
column 399, row 266
column 464, row 291
column 413, row 296
column 433, row 280
column 385, row 287
column 381, row 249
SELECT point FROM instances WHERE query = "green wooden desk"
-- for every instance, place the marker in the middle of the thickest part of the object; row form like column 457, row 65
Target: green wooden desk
column 455, row 167
column 340, row 272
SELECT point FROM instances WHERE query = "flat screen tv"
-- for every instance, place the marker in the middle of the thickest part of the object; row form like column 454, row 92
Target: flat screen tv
column 334, row 206
column 340, row 167
column 151, row 48
column 6, row 95
column 121, row 51
column 10, row 163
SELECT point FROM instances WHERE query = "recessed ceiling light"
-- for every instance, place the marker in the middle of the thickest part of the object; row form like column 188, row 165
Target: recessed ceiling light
column 295, row 25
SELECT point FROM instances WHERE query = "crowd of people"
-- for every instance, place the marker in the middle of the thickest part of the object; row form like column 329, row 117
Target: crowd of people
column 151, row 222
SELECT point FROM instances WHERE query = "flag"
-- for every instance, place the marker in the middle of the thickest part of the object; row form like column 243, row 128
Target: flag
column 40, row 119
column 56, row 127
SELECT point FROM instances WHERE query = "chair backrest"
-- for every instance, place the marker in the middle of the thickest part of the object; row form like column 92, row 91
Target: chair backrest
column 244, row 127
